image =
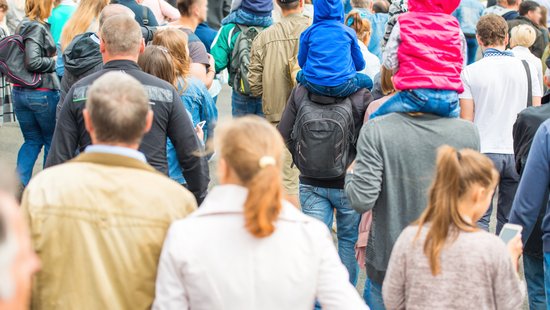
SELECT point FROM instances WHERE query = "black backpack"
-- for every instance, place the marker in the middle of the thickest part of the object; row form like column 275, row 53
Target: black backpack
column 240, row 58
column 12, row 63
column 322, row 136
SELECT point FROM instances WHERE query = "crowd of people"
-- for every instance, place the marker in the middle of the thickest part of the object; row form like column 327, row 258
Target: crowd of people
column 398, row 126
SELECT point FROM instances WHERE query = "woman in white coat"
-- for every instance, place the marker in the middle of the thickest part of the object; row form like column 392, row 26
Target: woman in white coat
column 246, row 248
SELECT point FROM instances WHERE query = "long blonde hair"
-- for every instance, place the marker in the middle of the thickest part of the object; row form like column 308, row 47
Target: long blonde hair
column 253, row 148
column 86, row 12
column 456, row 173
column 177, row 43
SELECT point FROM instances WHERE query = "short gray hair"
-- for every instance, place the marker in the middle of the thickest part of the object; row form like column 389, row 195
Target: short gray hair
column 112, row 10
column 118, row 106
column 122, row 35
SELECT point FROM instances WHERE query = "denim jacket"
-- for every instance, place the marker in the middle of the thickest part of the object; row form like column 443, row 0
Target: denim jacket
column 468, row 14
column 201, row 107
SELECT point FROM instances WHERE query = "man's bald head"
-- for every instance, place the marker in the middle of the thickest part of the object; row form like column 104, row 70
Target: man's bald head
column 113, row 10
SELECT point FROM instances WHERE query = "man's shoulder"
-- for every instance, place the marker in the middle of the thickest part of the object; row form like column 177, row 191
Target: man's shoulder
column 157, row 89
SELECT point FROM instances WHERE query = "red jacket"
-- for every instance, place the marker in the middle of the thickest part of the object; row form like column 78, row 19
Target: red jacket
column 430, row 53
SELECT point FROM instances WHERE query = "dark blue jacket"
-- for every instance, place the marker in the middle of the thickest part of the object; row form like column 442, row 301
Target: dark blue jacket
column 329, row 53
column 139, row 10
column 257, row 7
column 532, row 189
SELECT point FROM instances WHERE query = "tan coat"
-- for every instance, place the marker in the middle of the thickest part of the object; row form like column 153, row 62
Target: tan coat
column 98, row 224
column 269, row 63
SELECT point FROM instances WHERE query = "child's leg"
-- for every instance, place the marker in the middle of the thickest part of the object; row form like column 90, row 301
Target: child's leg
column 243, row 18
column 440, row 102
column 397, row 103
column 351, row 86
column 311, row 87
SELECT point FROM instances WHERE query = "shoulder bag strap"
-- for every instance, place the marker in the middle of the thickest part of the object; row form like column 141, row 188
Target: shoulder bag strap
column 144, row 15
column 529, row 84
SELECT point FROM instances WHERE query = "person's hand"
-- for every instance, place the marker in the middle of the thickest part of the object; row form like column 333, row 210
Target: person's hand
column 515, row 248
column 200, row 133
column 212, row 63
column 350, row 168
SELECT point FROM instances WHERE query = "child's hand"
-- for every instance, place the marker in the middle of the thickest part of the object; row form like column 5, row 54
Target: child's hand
column 515, row 248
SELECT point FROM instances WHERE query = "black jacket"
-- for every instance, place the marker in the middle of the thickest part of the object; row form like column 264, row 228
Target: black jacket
column 527, row 124
column 39, row 51
column 170, row 121
column 81, row 58
column 538, row 47
column 360, row 101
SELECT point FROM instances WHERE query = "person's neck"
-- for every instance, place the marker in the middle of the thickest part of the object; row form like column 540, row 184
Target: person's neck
column 292, row 12
column 496, row 47
column 109, row 58
column 466, row 211
column 132, row 146
column 187, row 22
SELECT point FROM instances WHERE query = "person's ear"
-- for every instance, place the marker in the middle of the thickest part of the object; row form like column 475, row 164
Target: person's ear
column 101, row 45
column 88, row 122
column 142, row 46
column 223, row 170
column 506, row 39
column 148, row 122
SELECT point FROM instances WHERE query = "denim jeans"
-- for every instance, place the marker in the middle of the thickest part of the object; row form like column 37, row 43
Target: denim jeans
column 320, row 203
column 373, row 295
column 509, row 178
column 35, row 111
column 243, row 105
column 534, row 276
column 343, row 90
column 472, row 49
column 244, row 18
column 547, row 276
column 440, row 102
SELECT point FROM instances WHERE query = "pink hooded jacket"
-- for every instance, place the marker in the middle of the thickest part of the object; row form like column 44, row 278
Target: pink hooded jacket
column 430, row 53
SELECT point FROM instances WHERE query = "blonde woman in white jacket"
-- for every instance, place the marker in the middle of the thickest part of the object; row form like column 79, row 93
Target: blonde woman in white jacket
column 246, row 248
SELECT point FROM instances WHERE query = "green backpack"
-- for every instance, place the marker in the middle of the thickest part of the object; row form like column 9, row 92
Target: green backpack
column 240, row 58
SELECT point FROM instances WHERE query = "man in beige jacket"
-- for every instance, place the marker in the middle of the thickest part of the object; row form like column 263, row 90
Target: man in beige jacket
column 272, row 60
column 98, row 222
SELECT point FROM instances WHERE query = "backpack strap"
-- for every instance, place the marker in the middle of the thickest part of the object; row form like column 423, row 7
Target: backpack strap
column 529, row 83
column 144, row 15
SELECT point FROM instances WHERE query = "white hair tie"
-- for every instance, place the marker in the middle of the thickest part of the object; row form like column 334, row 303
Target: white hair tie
column 267, row 161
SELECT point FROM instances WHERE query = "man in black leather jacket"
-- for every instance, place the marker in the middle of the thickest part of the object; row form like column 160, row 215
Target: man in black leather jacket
column 82, row 56
column 121, row 43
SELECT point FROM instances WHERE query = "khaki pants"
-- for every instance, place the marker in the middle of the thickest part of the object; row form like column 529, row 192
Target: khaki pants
column 290, row 175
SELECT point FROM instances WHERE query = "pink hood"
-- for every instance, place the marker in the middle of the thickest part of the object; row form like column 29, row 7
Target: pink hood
column 433, row 6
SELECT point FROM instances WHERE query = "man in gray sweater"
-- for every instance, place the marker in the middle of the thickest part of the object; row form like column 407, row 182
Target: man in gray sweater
column 393, row 169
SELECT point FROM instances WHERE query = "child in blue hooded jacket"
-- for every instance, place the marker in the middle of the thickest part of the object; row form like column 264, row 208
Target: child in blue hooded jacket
column 330, row 55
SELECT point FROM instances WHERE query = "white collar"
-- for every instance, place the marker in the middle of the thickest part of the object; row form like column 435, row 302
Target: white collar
column 230, row 199
column 116, row 150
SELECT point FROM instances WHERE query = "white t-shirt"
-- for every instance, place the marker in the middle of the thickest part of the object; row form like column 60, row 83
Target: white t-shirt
column 498, row 87
column 372, row 62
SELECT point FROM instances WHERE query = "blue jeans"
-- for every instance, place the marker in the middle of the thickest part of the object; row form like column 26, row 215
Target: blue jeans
column 343, row 90
column 373, row 295
column 35, row 111
column 320, row 203
column 243, row 105
column 244, row 18
column 547, row 276
column 509, row 178
column 472, row 49
column 440, row 102
column 534, row 276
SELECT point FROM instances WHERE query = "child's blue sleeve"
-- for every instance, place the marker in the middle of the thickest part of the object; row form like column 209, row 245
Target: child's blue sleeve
column 357, row 55
column 304, row 48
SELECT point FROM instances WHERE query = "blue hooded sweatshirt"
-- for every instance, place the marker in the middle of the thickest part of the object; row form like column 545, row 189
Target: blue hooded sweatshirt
column 329, row 53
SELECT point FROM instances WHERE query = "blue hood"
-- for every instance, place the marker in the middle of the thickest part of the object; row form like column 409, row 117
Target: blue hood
column 328, row 10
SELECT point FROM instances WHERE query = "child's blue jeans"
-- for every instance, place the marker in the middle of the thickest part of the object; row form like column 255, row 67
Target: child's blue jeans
column 346, row 89
column 243, row 18
column 435, row 101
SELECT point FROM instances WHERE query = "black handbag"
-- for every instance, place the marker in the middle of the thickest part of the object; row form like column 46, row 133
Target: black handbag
column 12, row 63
